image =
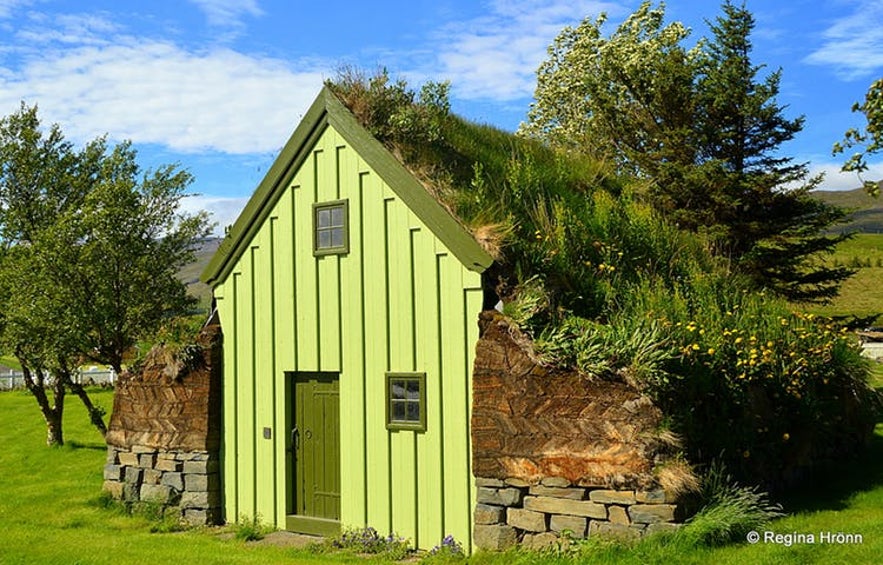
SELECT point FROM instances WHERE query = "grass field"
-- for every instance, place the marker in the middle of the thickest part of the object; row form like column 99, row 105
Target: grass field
column 861, row 295
column 50, row 512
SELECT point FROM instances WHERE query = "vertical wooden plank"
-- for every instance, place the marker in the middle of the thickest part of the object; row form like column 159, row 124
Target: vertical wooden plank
column 264, row 402
column 225, row 296
column 401, row 322
column 307, row 314
column 326, row 183
column 352, row 381
column 473, row 301
column 283, row 300
column 431, row 517
column 374, row 236
column 455, row 378
column 245, row 389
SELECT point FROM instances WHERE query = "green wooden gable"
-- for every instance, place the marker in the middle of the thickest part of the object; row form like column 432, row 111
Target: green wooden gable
column 328, row 110
column 348, row 368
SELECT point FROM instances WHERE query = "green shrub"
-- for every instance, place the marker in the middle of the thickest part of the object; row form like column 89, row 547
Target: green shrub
column 250, row 529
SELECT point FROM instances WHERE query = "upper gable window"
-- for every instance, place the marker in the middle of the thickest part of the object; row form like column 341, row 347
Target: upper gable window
column 330, row 227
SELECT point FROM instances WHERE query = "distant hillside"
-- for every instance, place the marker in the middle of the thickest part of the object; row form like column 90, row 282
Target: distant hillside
column 867, row 215
column 189, row 274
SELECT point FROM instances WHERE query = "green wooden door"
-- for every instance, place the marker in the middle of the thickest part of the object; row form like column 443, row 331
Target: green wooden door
column 316, row 439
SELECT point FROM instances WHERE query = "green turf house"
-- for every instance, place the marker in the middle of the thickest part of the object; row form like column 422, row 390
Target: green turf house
column 348, row 300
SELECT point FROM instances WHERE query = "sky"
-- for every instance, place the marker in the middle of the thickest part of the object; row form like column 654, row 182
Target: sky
column 218, row 86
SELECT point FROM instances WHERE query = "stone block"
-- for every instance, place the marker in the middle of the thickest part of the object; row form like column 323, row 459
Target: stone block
column 112, row 456
column 198, row 516
column 197, row 499
column 618, row 515
column 576, row 525
column 495, row 483
column 516, row 482
column 559, row 492
column 168, row 465
column 551, row 505
column 652, row 513
column 624, row 497
column 200, row 483
column 174, row 480
column 146, row 460
column 131, row 492
column 143, row 449
column 527, row 520
column 496, row 537
column 201, row 467
column 656, row 496
column 500, row 497
column 151, row 477
column 539, row 542
column 615, row 531
column 160, row 494
column 113, row 472
column 132, row 475
column 128, row 459
column 559, row 482
column 487, row 514
column 114, row 488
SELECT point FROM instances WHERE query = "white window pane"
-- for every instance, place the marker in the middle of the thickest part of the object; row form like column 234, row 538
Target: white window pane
column 324, row 239
column 336, row 237
column 323, row 218
column 337, row 216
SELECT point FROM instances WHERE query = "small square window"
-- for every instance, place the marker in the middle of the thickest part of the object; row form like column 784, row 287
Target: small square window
column 330, row 227
column 406, row 401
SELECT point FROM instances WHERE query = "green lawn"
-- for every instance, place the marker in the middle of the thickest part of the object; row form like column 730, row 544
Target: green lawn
column 862, row 294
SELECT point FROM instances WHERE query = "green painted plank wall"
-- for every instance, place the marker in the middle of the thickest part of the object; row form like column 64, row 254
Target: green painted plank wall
column 399, row 301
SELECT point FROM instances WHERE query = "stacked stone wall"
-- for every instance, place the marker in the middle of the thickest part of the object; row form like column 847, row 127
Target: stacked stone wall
column 188, row 482
column 164, row 433
column 537, row 516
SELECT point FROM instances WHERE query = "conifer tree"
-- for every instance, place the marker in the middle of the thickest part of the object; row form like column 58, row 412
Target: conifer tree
column 703, row 130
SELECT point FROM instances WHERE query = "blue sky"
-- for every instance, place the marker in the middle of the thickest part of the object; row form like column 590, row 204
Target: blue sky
column 219, row 85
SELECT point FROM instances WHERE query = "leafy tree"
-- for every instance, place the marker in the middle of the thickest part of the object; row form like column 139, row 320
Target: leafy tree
column 90, row 248
column 703, row 130
column 871, row 138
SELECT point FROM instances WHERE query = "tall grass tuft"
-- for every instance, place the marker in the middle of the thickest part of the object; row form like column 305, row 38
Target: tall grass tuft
column 730, row 512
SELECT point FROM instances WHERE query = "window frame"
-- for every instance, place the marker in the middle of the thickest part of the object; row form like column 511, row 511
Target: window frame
column 410, row 425
column 342, row 249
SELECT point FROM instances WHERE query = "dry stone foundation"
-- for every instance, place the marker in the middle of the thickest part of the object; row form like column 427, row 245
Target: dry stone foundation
column 510, row 512
column 163, row 439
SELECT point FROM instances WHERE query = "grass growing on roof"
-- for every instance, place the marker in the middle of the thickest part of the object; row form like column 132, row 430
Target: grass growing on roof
column 605, row 285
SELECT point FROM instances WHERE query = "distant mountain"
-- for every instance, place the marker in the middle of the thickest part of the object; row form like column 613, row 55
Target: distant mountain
column 189, row 274
column 866, row 211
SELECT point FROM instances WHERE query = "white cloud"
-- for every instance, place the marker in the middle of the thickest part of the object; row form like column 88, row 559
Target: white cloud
column 837, row 180
column 496, row 56
column 157, row 92
column 853, row 45
column 228, row 13
column 9, row 6
column 224, row 211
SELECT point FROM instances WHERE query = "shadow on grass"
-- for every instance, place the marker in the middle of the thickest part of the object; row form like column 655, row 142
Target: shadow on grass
column 81, row 445
column 832, row 484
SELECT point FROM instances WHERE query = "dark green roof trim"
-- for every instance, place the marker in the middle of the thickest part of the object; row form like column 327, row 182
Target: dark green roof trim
column 328, row 110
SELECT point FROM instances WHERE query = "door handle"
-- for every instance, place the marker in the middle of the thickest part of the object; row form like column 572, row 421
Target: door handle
column 295, row 434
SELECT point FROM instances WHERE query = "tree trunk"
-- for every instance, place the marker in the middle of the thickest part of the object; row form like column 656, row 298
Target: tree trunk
column 96, row 415
column 52, row 413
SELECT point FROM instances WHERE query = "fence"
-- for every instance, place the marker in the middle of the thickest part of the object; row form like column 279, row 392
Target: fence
column 89, row 376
